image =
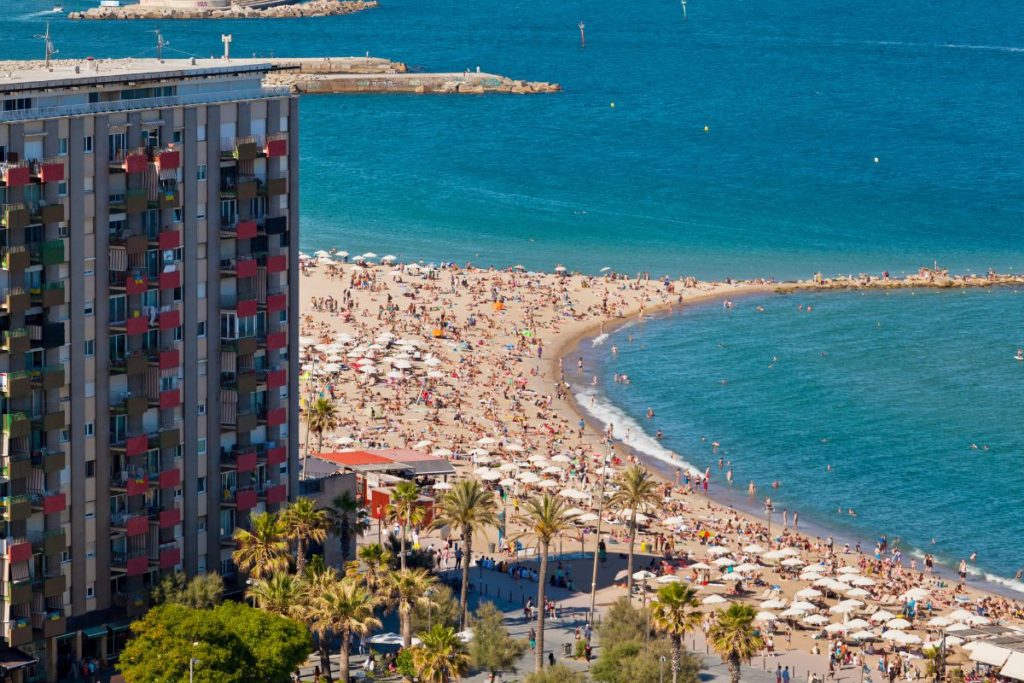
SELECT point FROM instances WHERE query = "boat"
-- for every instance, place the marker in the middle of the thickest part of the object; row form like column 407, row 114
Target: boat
column 57, row 9
column 110, row 3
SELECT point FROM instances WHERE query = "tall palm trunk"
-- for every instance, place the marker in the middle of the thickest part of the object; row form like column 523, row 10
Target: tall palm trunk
column 343, row 664
column 405, row 532
column 467, row 540
column 300, row 556
column 404, row 616
column 325, row 657
column 541, row 586
column 734, row 668
column 677, row 646
column 629, row 562
column 344, row 538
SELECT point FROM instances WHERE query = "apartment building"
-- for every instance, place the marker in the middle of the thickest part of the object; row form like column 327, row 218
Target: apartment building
column 148, row 330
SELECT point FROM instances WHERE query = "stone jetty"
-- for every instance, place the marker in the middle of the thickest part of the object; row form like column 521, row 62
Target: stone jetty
column 313, row 8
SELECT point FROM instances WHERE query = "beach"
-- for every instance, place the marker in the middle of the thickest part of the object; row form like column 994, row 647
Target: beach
column 477, row 359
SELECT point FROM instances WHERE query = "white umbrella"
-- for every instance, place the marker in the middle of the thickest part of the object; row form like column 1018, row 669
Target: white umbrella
column 668, row 578
column 898, row 623
column 718, row 550
column 483, row 459
column 401, row 364
column 916, row 594
column 369, row 254
column 939, row 622
column 978, row 620
column 547, row 483
column 765, row 616
column 792, row 562
column 810, row 576
column 672, row 521
column 804, row 605
column 960, row 615
column 842, row 609
column 857, row 593
column 420, row 445
column 641, row 518
column 644, row 575
column 700, row 566
column 863, row 635
column 725, row 562
column 792, row 613
column 808, row 593
column 433, row 363
column 562, row 458
column 836, row 628
column 442, row 453
column 491, row 475
column 848, row 570
column 551, row 469
column 508, row 467
column 857, row 624
column 508, row 482
column 881, row 616
column 862, row 581
column 714, row 600
column 441, row 486
column 390, row 258
column 815, row 620
column 753, row 548
column 528, row 477
column 467, row 635
column 537, row 458
column 774, row 603
column 747, row 567
column 434, row 374
column 486, row 441
column 574, row 494
column 587, row 517
column 513, row 448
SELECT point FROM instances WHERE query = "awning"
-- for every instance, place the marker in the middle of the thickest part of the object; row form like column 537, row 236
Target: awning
column 431, row 467
column 95, row 632
column 11, row 659
column 986, row 653
column 1014, row 667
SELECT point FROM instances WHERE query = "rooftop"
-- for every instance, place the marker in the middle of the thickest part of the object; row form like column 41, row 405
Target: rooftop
column 73, row 73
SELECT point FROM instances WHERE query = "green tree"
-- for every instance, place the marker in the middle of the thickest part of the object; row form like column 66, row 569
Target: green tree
column 343, row 608
column 676, row 612
column 733, row 638
column 405, row 589
column 262, row 550
column 321, row 417
column 469, row 507
column 493, row 649
column 278, row 645
column 442, row 609
column 440, row 657
column 303, row 524
column 403, row 510
column 280, row 593
column 637, row 489
column 347, row 522
column 623, row 623
column 637, row 662
column 544, row 517
column 375, row 559
column 201, row 592
column 559, row 673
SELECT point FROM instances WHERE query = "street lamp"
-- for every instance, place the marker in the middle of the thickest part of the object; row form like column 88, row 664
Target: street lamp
column 661, row 669
column 192, row 661
column 597, row 543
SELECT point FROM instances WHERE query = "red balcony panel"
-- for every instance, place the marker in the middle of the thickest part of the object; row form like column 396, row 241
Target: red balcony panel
column 277, row 417
column 277, row 264
column 277, row 340
column 277, row 379
column 170, row 280
column 169, row 239
column 137, row 566
column 137, row 525
column 170, row 399
column 17, row 176
column 170, row 558
column 277, row 148
column 136, row 163
column 137, row 325
column 246, row 462
column 136, row 284
column 137, row 487
column 167, row 160
column 54, row 503
column 169, row 518
column 170, row 359
column 136, row 445
column 277, row 302
column 19, row 552
column 276, row 456
column 170, row 479
column 246, row 267
column 246, row 230
column 169, row 320
column 277, row 494
column 247, row 308
column 51, row 173
column 246, row 500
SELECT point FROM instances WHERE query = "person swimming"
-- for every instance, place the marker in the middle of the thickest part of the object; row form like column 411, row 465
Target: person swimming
column 658, row 435
column 650, row 413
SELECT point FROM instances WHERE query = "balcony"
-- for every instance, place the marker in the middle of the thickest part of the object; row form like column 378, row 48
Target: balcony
column 50, row 334
column 136, row 162
column 133, row 245
column 276, row 146
column 168, row 160
column 170, row 199
column 247, row 189
column 52, row 213
column 276, row 302
column 17, row 464
column 15, row 216
column 169, row 359
column 276, row 456
column 131, row 525
column 16, row 300
column 277, row 340
column 169, row 437
column 49, row 461
column 277, row 186
column 16, row 340
column 48, row 422
column 244, row 346
column 170, row 279
column 49, row 542
column 16, row 259
column 245, row 267
column 131, row 405
column 15, row 384
column 131, row 365
column 168, row 519
column 52, row 294
column 246, row 230
column 52, row 376
column 15, row 424
column 276, row 494
column 169, row 239
column 17, row 175
column 245, row 148
column 277, row 417
column 51, row 171
column 276, row 226
column 169, row 479
column 136, row 201
column 139, row 324
column 15, row 508
column 51, row 586
column 53, row 252
column 170, row 557
column 18, row 592
column 136, row 444
column 51, row 622
column 170, row 398
column 17, row 549
column 131, row 480
column 18, row 631
column 168, row 320
column 240, row 460
column 277, row 379
column 277, row 263
column 49, row 502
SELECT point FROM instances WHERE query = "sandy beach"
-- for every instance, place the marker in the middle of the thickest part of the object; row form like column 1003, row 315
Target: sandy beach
column 471, row 364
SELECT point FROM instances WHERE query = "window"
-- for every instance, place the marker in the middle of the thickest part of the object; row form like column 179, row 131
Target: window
column 201, row 448
column 89, row 308
column 62, row 188
column 18, row 104
column 201, row 292
column 201, row 211
column 90, row 468
column 177, row 215
column 65, row 436
column 90, row 429
column 90, row 510
column 87, row 184
column 201, row 409
column 201, row 132
column 118, row 347
column 283, row 316
column 201, row 328
column 177, row 333
column 117, row 310
column 177, row 136
column 90, row 348
column 87, row 144
column 202, row 368
column 62, row 147
column 90, row 591
column 201, row 172
column 201, row 522
column 90, row 389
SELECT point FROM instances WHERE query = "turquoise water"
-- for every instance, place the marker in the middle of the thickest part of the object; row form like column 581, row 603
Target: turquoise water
column 799, row 98
column 890, row 390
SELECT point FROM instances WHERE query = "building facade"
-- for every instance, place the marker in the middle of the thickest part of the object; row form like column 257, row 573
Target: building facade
column 148, row 331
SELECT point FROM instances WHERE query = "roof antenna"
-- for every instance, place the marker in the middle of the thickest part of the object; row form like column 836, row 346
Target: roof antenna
column 48, row 43
column 160, row 45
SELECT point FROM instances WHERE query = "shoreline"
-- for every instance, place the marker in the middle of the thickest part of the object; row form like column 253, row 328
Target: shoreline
column 723, row 493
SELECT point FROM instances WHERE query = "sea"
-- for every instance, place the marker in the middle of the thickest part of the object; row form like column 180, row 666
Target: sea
column 752, row 139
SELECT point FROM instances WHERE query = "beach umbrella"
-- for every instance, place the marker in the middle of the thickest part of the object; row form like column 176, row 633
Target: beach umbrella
column 808, row 593
column 672, row 521
column 574, row 512
column 442, row 453
column 857, row 593
column 491, row 475
column 772, row 555
column 420, row 445
column 574, row 494
column 559, row 269
column 747, row 567
column 857, row 624
column 815, row 620
column 810, row 576
column 881, row 616
column 320, row 253
column 483, row 459
column 916, row 594
column 508, row 467
column 898, row 623
column 725, row 562
column 528, row 477
column 441, row 486
column 394, row 374
column 957, row 627
column 433, row 363
column 842, row 608
column 978, row 620
column 547, row 483
column 835, row 628
column 714, row 600
column 562, row 458
column 551, row 469
column 753, row 548
column 960, row 615
column 939, row 622
column 537, row 458
column 789, row 552
column 587, row 517
column 792, row 562
column 513, row 448
column 718, row 550
column 792, row 613
column 641, row 518
column 401, row 364
column 765, row 616
column 804, row 606
column 508, row 482
column 434, row 374
column 862, row 581
column 479, row 451
column 848, row 570
column 863, row 635
column 486, row 441
column 644, row 575
column 773, row 603
column 369, row 254
column 668, row 578
column 605, row 269
column 390, row 258
column 894, row 635
column 700, row 566
column 480, row 471
column 342, row 254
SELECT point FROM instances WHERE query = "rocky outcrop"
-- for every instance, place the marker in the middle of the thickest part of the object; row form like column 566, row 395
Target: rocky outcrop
column 314, row 8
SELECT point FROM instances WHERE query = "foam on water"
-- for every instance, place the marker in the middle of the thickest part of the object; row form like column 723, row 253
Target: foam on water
column 599, row 339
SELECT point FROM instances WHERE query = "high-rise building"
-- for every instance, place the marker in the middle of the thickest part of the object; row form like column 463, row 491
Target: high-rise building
column 148, row 331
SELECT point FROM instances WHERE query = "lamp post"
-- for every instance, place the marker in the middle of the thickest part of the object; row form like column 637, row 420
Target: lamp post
column 661, row 669
column 597, row 543
column 192, row 661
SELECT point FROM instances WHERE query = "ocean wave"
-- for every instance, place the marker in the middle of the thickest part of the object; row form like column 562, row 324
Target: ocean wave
column 599, row 339
column 595, row 405
column 1012, row 584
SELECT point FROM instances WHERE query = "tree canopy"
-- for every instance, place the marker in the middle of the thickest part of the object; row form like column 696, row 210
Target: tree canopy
column 493, row 649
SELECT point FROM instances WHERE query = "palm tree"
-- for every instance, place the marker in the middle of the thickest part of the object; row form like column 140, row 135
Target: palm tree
column 321, row 417
column 281, row 593
column 405, row 589
column 637, row 489
column 733, row 637
column 404, row 511
column 469, row 507
column 317, row 583
column 263, row 550
column 376, row 558
column 346, row 521
column 345, row 607
column 304, row 523
column 544, row 518
column 440, row 657
column 675, row 612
